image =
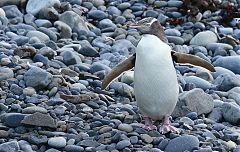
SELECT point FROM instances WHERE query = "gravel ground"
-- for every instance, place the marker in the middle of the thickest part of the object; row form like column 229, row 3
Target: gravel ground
column 55, row 53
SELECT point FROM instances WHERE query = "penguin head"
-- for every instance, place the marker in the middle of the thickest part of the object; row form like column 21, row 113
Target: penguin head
column 144, row 25
column 150, row 25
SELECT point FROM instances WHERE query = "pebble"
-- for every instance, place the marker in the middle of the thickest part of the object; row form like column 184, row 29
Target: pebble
column 220, row 71
column 10, row 146
column 226, row 82
column 183, row 143
column 13, row 119
column 2, row 13
column 76, row 22
column 6, row 73
column 39, row 119
column 33, row 109
column 34, row 7
column 70, row 57
column 125, row 127
column 97, row 14
column 204, row 38
column 199, row 82
column 123, row 144
column 146, row 138
column 172, row 32
column 57, row 142
column 37, row 78
column 231, row 113
column 192, row 103
column 74, row 148
column 230, row 62
column 175, row 39
column 214, row 46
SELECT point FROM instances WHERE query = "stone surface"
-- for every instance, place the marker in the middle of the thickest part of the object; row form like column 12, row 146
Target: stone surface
column 11, row 146
column 39, row 119
column 37, row 78
column 230, row 62
column 57, row 142
column 204, row 38
column 13, row 119
column 231, row 113
column 33, row 6
column 183, row 143
column 195, row 100
column 6, row 73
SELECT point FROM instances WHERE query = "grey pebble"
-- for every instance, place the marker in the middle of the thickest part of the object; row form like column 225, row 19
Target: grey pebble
column 192, row 103
column 183, row 143
column 57, row 142
column 172, row 32
column 70, row 57
column 97, row 14
column 74, row 148
column 6, row 73
column 175, row 39
column 11, row 146
column 39, row 119
column 214, row 46
column 13, row 119
column 230, row 62
column 216, row 115
column 87, row 49
column 163, row 144
column 37, row 78
column 199, row 82
column 41, row 36
column 226, row 82
column 231, row 113
column 33, row 7
column 125, row 127
column 122, row 144
column 204, row 38
column 25, row 146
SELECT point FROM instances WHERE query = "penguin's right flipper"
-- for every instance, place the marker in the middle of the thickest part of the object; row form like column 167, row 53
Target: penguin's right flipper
column 192, row 59
column 127, row 64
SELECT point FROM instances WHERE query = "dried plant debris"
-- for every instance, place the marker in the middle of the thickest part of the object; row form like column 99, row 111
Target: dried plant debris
column 228, row 11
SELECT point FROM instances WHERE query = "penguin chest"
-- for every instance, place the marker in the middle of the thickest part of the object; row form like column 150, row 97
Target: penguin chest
column 155, row 80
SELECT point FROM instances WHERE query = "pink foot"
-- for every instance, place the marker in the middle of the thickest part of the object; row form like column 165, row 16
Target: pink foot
column 149, row 124
column 166, row 127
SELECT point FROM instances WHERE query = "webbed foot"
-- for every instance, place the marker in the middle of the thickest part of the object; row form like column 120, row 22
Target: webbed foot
column 166, row 127
column 149, row 124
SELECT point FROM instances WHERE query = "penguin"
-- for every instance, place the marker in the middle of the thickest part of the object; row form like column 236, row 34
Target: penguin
column 155, row 80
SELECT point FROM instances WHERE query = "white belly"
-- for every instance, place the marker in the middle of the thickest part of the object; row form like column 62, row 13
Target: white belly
column 155, row 80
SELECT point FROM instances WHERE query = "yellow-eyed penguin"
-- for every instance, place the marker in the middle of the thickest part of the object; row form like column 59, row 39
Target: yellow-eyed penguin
column 155, row 79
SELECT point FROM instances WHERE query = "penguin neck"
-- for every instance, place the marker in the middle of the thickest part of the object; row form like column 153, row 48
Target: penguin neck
column 157, row 30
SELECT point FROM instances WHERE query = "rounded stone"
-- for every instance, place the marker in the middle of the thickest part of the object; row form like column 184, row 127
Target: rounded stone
column 57, row 142
column 182, row 143
column 6, row 73
column 229, row 62
column 37, row 78
column 204, row 38
column 122, row 144
column 125, row 127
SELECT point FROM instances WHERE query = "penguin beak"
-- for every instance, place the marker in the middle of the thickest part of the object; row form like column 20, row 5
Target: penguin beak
column 117, row 70
column 194, row 60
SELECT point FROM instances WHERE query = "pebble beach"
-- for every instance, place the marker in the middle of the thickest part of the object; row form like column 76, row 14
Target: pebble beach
column 54, row 55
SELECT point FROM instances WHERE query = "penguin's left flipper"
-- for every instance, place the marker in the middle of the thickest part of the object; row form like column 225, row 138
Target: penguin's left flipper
column 127, row 64
column 192, row 59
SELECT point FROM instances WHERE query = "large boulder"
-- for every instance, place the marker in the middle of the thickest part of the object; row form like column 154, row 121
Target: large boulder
column 195, row 100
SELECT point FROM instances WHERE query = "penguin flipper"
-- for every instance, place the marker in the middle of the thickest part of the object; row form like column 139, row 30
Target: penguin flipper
column 127, row 64
column 192, row 59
